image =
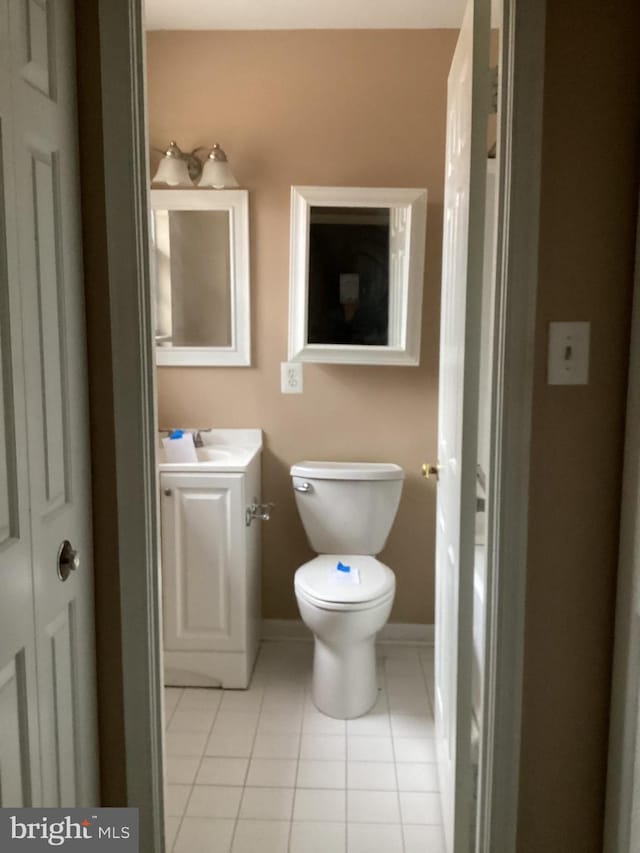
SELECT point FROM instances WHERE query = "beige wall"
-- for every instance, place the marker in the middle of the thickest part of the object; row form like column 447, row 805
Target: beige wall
column 588, row 203
column 363, row 108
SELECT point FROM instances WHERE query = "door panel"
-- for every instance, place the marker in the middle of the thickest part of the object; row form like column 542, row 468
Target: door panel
column 52, row 384
column 463, row 234
column 19, row 735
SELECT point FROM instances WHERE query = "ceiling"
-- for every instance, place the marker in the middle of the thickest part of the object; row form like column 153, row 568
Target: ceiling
column 302, row 14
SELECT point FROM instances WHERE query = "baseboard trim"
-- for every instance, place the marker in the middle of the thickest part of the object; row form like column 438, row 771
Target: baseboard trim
column 407, row 633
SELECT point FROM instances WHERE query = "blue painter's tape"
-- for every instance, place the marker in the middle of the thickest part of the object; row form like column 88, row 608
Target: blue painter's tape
column 342, row 568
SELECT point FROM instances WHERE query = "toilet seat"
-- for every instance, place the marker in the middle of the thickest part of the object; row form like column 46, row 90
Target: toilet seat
column 315, row 582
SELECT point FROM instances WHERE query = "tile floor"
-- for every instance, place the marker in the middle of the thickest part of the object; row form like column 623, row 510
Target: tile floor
column 262, row 771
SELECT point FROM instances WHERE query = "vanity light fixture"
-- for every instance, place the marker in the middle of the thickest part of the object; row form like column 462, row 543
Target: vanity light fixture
column 178, row 168
column 216, row 171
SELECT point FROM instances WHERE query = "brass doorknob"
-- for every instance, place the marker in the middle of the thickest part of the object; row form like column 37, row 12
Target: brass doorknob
column 429, row 471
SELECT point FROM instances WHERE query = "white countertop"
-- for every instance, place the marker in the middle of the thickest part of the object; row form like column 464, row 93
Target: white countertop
column 223, row 450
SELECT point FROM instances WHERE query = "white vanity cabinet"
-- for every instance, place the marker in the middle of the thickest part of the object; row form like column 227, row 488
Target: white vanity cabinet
column 210, row 573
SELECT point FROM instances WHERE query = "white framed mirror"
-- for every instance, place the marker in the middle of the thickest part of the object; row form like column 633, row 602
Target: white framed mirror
column 356, row 275
column 200, row 277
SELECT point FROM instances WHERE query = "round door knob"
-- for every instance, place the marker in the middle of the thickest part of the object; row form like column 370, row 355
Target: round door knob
column 429, row 471
column 167, row 493
column 68, row 560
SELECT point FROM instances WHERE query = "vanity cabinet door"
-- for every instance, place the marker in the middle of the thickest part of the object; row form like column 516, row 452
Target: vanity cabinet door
column 203, row 562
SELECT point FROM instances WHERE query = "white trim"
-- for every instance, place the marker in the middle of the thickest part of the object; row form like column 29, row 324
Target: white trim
column 623, row 775
column 405, row 294
column 126, row 209
column 404, row 633
column 236, row 202
column 519, row 173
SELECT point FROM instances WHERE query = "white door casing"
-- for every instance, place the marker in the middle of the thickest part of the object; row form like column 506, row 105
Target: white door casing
column 462, row 268
column 46, row 434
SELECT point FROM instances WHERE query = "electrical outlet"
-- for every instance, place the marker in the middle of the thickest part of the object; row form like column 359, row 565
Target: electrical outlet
column 291, row 377
column 568, row 361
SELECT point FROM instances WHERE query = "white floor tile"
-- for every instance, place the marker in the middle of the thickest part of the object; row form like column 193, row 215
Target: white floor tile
column 413, row 726
column 200, row 699
column 423, row 839
column 272, row 772
column 171, row 825
column 373, row 807
column 242, row 700
column 374, row 838
column 371, row 776
column 420, row 808
column 185, row 743
column 204, row 835
column 271, row 722
column 369, row 748
column 371, row 724
column 171, row 698
column 180, row 770
column 191, row 721
column 318, row 804
column 175, row 799
column 323, row 747
column 321, row 774
column 414, row 749
column 276, row 746
column 401, row 704
column 315, row 837
column 315, row 723
column 267, row 804
column 230, row 746
column 261, row 836
column 222, row 771
column 417, row 777
column 214, row 801
column 235, row 723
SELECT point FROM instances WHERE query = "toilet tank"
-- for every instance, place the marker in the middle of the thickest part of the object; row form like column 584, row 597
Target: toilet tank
column 347, row 507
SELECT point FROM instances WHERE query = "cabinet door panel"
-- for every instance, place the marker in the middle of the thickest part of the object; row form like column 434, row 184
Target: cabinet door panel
column 203, row 559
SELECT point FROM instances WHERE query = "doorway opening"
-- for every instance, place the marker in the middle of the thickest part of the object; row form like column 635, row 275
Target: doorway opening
column 111, row 28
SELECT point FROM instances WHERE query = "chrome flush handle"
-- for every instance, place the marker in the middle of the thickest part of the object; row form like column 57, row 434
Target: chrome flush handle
column 305, row 488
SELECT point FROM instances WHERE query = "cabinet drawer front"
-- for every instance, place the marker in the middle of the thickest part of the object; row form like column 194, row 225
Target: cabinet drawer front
column 203, row 562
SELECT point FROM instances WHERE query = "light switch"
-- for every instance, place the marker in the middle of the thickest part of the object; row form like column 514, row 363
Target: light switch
column 291, row 377
column 568, row 359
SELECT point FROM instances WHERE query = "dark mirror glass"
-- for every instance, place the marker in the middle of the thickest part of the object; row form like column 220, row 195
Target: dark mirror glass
column 349, row 276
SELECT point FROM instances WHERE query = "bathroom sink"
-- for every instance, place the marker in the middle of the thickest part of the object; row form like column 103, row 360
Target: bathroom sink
column 223, row 450
column 213, row 454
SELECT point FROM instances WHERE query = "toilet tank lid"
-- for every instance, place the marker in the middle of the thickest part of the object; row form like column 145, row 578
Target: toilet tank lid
column 347, row 470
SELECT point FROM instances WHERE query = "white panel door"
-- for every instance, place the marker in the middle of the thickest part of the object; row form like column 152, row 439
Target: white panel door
column 463, row 237
column 203, row 562
column 51, row 386
column 19, row 753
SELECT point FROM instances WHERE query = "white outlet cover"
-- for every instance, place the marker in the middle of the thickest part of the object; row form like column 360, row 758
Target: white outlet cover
column 291, row 377
column 568, row 357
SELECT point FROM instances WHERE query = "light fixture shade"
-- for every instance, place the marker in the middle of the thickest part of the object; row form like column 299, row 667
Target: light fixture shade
column 173, row 171
column 216, row 171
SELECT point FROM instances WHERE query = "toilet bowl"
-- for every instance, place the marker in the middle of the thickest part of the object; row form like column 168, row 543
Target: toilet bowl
column 345, row 594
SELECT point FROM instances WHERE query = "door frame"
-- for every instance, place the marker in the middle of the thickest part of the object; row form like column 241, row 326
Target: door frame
column 623, row 773
column 126, row 230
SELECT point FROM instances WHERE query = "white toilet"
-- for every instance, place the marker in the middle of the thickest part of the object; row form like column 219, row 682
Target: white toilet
column 345, row 594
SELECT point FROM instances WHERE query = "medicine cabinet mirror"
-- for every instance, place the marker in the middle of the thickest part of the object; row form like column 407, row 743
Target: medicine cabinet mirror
column 200, row 277
column 356, row 275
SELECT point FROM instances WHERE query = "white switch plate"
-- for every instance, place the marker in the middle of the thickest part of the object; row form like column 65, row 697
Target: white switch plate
column 568, row 359
column 291, row 377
